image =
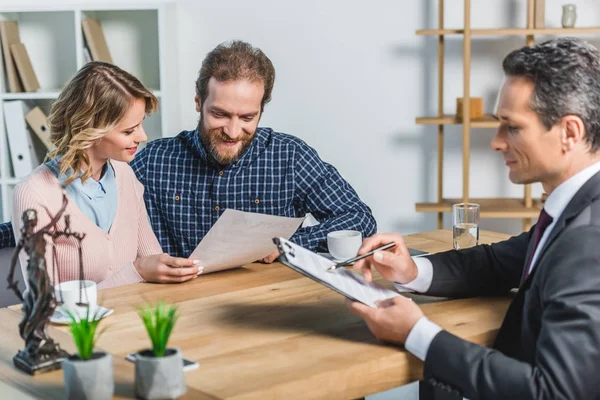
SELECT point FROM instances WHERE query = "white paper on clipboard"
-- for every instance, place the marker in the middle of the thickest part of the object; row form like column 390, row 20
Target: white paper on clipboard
column 342, row 280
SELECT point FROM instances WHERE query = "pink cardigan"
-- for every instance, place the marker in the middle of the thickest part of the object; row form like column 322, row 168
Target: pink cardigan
column 107, row 258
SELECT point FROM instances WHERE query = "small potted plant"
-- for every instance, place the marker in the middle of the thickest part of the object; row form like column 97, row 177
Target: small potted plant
column 88, row 374
column 159, row 370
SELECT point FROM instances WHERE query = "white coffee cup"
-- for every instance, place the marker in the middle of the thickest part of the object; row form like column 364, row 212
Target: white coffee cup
column 69, row 293
column 344, row 244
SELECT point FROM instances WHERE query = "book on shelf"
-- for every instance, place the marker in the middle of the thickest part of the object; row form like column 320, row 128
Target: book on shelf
column 87, row 57
column 22, row 152
column 24, row 67
column 9, row 35
column 95, row 40
column 37, row 121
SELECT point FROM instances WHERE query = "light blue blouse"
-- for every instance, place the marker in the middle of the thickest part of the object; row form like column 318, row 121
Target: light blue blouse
column 97, row 200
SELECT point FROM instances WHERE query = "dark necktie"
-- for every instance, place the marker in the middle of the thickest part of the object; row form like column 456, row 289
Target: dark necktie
column 543, row 221
column 508, row 339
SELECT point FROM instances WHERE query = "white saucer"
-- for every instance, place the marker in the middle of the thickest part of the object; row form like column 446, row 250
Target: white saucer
column 60, row 317
column 332, row 258
column 329, row 257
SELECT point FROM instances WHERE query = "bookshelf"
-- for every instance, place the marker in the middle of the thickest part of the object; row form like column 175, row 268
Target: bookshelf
column 53, row 37
column 525, row 208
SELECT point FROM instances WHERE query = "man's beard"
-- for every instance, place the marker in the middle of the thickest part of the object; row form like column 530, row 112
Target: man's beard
column 210, row 139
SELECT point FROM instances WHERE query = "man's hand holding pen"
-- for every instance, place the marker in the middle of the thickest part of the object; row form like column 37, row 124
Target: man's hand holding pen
column 394, row 265
column 393, row 319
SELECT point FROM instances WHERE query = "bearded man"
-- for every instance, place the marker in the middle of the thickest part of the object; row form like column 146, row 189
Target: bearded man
column 229, row 162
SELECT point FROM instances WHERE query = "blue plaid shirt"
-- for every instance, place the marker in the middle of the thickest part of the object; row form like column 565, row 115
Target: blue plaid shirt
column 7, row 237
column 185, row 192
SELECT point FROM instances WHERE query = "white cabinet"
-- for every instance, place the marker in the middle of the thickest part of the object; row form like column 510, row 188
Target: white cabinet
column 54, row 41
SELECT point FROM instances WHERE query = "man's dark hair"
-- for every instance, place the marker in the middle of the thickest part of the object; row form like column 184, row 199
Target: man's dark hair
column 566, row 75
column 234, row 61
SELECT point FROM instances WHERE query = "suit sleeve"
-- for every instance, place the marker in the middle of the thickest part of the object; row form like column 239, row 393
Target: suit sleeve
column 567, row 352
column 485, row 270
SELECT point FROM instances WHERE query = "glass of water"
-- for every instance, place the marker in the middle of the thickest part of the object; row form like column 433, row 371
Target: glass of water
column 465, row 229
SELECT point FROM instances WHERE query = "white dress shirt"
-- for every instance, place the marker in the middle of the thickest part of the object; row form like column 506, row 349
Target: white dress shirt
column 422, row 334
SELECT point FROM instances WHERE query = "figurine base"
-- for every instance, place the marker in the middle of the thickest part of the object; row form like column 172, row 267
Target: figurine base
column 23, row 362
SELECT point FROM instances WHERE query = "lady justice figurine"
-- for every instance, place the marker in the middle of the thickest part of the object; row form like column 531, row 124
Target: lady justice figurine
column 41, row 353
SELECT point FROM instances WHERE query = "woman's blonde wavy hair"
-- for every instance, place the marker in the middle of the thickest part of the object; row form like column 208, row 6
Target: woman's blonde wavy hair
column 90, row 106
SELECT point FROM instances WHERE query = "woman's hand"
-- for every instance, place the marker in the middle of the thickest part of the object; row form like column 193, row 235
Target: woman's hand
column 163, row 268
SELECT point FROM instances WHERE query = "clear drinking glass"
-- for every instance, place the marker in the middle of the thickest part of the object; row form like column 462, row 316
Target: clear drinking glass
column 465, row 228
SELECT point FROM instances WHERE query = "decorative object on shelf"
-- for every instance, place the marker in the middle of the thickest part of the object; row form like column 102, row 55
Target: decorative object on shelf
column 88, row 375
column 37, row 121
column 540, row 14
column 24, row 67
column 569, row 15
column 41, row 353
column 9, row 35
column 475, row 107
column 158, row 371
column 95, row 40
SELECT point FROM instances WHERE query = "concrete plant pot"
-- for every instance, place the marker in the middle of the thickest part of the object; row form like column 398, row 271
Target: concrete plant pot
column 159, row 377
column 91, row 379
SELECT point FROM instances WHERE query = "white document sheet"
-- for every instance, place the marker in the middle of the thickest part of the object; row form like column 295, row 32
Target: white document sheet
column 239, row 238
column 342, row 280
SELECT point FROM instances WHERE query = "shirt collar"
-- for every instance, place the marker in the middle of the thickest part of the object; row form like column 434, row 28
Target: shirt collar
column 194, row 137
column 97, row 189
column 91, row 188
column 560, row 197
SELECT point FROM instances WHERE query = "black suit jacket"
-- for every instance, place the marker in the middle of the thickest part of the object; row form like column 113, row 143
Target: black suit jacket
column 548, row 346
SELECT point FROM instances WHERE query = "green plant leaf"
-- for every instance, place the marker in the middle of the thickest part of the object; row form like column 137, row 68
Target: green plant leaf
column 84, row 331
column 159, row 321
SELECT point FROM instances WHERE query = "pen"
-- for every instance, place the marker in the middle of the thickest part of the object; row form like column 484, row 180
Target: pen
column 353, row 259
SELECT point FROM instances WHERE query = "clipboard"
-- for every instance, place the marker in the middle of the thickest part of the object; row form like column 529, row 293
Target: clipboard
column 344, row 281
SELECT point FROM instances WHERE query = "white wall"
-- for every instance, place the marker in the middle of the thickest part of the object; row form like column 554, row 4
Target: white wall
column 351, row 78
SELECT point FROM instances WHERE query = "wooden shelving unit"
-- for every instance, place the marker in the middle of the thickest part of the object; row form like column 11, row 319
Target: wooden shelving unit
column 525, row 208
column 487, row 121
column 490, row 208
column 512, row 31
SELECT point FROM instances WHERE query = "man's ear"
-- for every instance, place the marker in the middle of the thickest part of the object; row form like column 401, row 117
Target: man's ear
column 572, row 132
column 198, row 103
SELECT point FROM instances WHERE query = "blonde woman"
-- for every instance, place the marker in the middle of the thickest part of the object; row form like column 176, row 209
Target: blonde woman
column 96, row 125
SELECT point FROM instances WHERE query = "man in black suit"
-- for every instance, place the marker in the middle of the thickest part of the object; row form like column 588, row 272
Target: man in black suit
column 549, row 343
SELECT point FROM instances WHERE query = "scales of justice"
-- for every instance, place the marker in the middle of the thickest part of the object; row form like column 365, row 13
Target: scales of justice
column 41, row 352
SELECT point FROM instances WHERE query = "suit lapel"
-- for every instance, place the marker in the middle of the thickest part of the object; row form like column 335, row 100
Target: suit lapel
column 529, row 255
column 584, row 196
column 508, row 339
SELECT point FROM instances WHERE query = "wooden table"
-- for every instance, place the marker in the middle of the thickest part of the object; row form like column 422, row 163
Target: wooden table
column 262, row 332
